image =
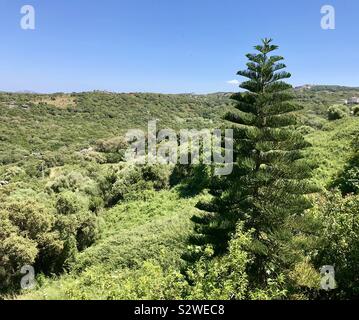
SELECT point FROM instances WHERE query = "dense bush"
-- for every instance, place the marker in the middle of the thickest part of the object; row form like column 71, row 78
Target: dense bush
column 348, row 179
column 126, row 181
column 69, row 202
column 27, row 236
column 113, row 145
column 209, row 279
column 12, row 173
column 337, row 112
column 355, row 110
column 32, row 234
column 221, row 278
column 338, row 241
column 305, row 130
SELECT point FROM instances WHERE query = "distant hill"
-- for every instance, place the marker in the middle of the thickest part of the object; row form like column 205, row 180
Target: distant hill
column 49, row 122
column 331, row 88
column 33, row 122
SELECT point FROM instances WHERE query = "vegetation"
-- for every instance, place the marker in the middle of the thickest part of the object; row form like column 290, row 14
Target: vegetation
column 337, row 112
column 96, row 227
column 266, row 191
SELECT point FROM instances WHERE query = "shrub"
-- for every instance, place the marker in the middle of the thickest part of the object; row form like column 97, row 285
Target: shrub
column 111, row 145
column 26, row 236
column 158, row 174
column 314, row 122
column 114, row 157
column 73, row 181
column 127, row 182
column 305, row 130
column 96, row 203
column 337, row 112
column 69, row 202
column 221, row 278
column 87, row 231
column 59, row 184
column 355, row 110
column 30, row 217
column 149, row 282
column 15, row 252
column 13, row 172
column 31, row 233
column 338, row 242
column 95, row 156
column 348, row 180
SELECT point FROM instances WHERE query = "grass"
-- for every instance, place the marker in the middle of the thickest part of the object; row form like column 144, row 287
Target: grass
column 132, row 234
column 332, row 148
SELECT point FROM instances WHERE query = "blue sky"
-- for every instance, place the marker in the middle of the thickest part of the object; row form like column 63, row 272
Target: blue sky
column 170, row 45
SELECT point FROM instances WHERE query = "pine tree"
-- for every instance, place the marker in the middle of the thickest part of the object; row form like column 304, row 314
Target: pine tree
column 270, row 180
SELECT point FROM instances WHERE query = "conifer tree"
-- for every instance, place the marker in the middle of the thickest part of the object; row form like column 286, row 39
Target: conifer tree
column 267, row 189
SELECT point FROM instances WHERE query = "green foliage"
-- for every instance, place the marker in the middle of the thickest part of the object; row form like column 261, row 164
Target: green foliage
column 221, row 278
column 137, row 257
column 33, row 234
column 93, row 119
column 337, row 112
column 27, row 236
column 113, row 145
column 338, row 241
column 74, row 181
column 355, row 110
column 348, row 180
column 332, row 148
column 138, row 230
column 69, row 202
column 114, row 149
column 270, row 179
column 15, row 252
column 126, row 181
column 12, row 173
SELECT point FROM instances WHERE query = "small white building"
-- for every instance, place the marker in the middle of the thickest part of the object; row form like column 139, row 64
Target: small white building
column 353, row 100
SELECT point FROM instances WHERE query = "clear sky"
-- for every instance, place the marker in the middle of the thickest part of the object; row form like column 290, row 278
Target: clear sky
column 170, row 45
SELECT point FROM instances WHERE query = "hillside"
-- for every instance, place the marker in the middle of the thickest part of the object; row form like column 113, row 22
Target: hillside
column 70, row 122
